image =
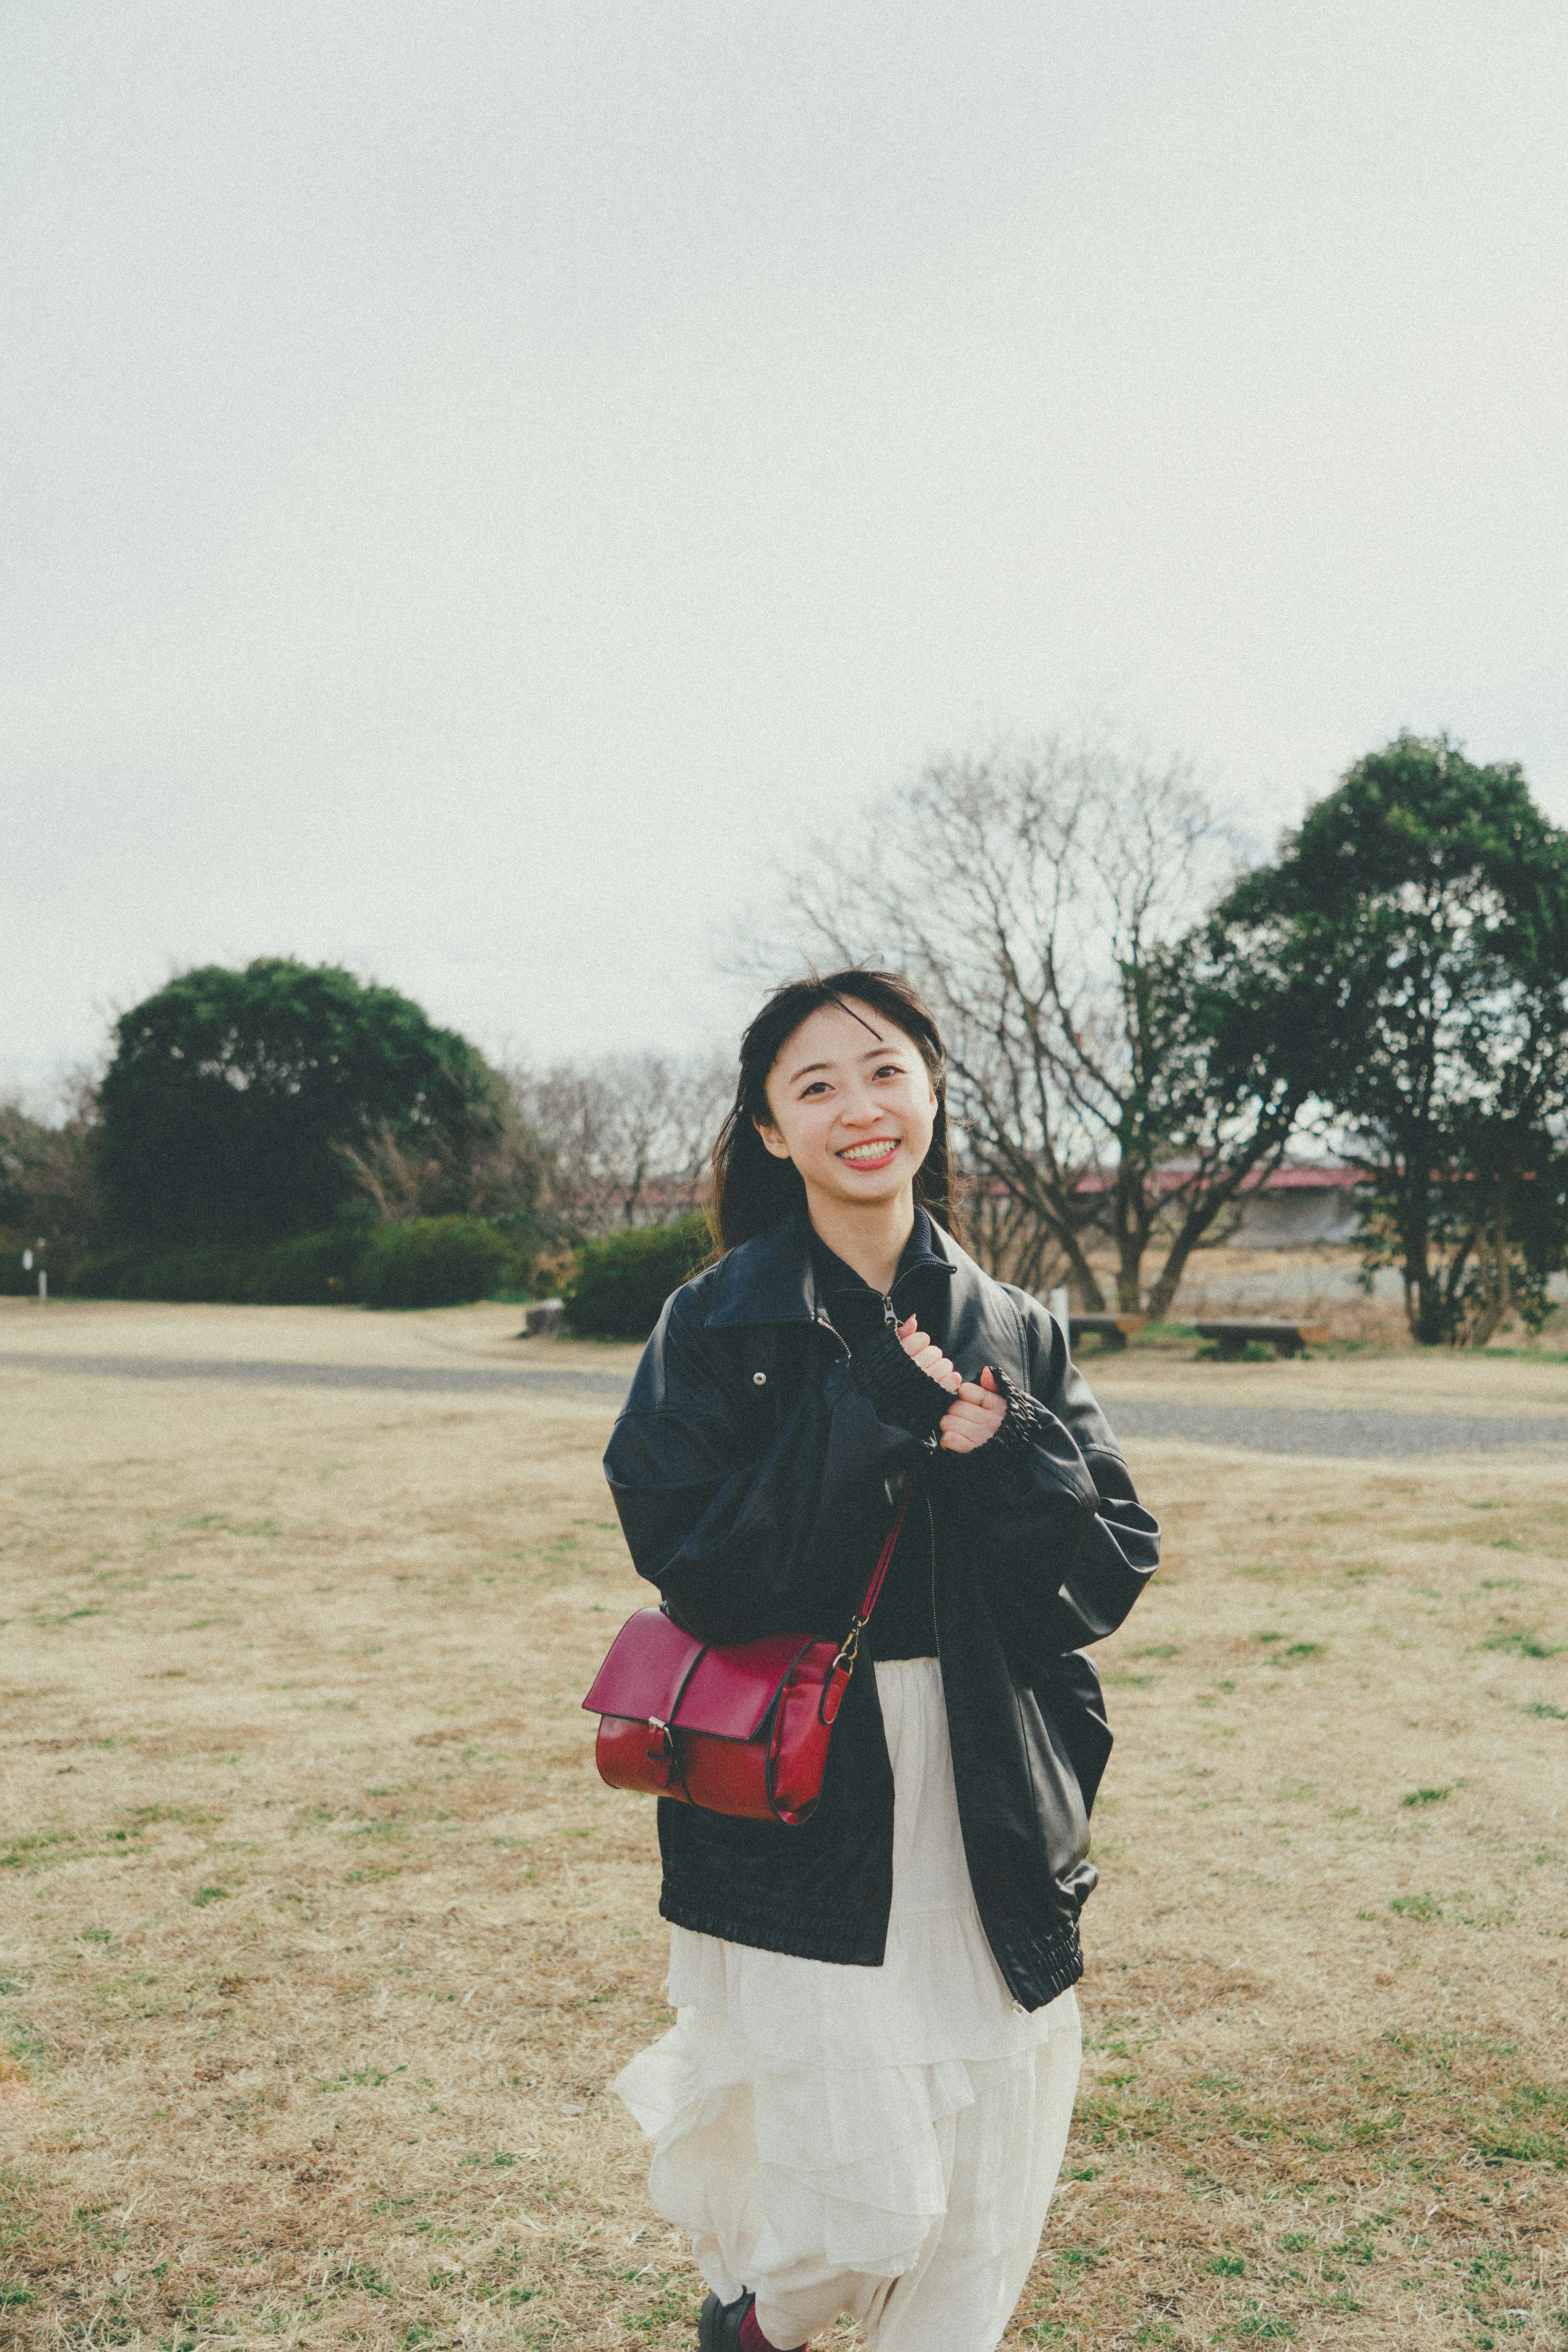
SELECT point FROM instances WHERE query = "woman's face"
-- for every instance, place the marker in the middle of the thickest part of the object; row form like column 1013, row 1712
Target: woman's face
column 850, row 1104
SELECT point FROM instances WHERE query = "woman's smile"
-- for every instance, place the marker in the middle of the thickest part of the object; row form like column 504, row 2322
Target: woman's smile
column 874, row 1154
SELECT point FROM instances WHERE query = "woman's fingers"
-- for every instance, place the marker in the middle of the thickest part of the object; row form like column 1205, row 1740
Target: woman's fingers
column 977, row 1415
column 989, row 1409
column 927, row 1355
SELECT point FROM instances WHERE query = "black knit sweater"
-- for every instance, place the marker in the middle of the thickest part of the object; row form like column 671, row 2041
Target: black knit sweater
column 905, row 1625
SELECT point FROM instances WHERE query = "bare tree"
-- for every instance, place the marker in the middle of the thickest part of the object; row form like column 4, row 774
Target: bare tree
column 399, row 1178
column 1006, row 1235
column 48, row 1183
column 1048, row 900
column 404, row 1173
column 627, row 1138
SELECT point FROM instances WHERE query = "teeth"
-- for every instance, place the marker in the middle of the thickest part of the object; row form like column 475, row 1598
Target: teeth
column 870, row 1151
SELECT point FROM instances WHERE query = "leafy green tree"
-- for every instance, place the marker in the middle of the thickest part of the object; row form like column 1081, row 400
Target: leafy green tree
column 235, row 1098
column 1208, row 1114
column 1407, row 958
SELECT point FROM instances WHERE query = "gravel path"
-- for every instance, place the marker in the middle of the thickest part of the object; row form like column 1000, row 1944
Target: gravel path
column 1367, row 1436
column 559, row 1381
column 1370, row 1435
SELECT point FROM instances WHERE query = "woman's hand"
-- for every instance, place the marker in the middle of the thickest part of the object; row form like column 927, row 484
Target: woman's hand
column 928, row 1356
column 977, row 1416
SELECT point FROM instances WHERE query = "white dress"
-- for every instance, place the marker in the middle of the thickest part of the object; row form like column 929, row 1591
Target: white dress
column 878, row 2141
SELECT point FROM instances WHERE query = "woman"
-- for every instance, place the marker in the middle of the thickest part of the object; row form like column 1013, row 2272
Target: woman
column 863, row 2104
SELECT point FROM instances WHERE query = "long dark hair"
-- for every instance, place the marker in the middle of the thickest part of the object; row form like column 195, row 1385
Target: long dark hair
column 752, row 1190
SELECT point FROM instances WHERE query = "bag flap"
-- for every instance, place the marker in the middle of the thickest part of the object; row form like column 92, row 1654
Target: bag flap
column 649, row 1659
column 732, row 1689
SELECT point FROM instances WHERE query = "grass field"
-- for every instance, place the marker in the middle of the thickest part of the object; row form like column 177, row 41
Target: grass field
column 319, row 1940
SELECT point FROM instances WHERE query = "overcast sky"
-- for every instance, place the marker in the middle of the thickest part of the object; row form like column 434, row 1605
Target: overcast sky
column 480, row 479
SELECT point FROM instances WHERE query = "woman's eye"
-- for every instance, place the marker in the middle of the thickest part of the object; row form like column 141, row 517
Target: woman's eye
column 889, row 1070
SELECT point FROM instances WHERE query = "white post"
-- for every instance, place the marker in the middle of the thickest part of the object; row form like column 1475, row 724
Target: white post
column 42, row 1282
column 1060, row 1308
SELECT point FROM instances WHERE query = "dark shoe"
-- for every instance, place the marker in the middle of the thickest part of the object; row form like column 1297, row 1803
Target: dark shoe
column 719, row 2328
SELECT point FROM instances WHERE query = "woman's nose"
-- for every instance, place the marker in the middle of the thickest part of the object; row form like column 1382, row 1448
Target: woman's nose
column 859, row 1110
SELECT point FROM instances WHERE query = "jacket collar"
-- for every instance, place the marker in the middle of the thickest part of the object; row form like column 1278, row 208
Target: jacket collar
column 773, row 1278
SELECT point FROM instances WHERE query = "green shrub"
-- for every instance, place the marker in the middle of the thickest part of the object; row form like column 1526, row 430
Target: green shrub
column 620, row 1284
column 430, row 1262
column 96, row 1274
column 16, row 1280
column 434, row 1262
column 317, row 1270
column 202, row 1272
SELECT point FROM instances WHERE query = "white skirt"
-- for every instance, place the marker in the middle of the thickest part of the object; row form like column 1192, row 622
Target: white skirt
column 882, row 2141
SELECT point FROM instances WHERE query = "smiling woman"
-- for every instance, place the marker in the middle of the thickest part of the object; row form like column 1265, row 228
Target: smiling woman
column 864, row 2100
column 855, row 1121
column 860, row 1041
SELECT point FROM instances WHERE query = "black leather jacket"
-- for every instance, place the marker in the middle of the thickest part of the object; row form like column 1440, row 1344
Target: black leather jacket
column 754, row 1467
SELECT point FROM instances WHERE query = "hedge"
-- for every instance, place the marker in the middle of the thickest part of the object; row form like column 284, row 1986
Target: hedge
column 431, row 1262
column 17, row 1281
column 317, row 1270
column 620, row 1282
column 200, row 1272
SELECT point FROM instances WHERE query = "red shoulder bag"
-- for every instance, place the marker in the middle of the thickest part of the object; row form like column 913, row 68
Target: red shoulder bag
column 740, row 1728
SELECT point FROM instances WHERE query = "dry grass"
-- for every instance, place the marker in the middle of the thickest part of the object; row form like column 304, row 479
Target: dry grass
column 320, row 1940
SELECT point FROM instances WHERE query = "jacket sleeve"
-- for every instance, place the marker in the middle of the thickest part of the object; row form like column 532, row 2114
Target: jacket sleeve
column 1062, row 1579
column 741, row 1541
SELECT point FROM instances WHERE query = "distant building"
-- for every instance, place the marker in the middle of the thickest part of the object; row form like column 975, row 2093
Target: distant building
column 1304, row 1203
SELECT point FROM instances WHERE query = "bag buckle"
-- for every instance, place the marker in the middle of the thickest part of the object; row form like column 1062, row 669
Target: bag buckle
column 664, row 1754
column 846, row 1657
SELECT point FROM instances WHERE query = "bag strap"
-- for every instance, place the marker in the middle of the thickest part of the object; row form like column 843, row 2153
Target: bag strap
column 873, row 1594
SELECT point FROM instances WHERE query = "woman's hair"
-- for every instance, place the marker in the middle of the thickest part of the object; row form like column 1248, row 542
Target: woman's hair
column 753, row 1190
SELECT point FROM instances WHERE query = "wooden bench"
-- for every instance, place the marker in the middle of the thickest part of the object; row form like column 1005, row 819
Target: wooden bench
column 1234, row 1338
column 1113, row 1331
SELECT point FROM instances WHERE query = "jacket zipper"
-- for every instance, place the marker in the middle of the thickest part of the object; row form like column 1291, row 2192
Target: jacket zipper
column 891, row 1319
column 1019, row 2009
column 890, row 1316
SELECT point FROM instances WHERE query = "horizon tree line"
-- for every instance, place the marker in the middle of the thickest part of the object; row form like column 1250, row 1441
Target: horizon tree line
column 1141, row 1026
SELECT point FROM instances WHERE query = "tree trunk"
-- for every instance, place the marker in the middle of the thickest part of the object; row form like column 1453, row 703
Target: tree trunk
column 1082, row 1274
column 1493, row 1254
column 1130, row 1223
column 1195, row 1224
column 1424, row 1310
column 1424, row 1305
